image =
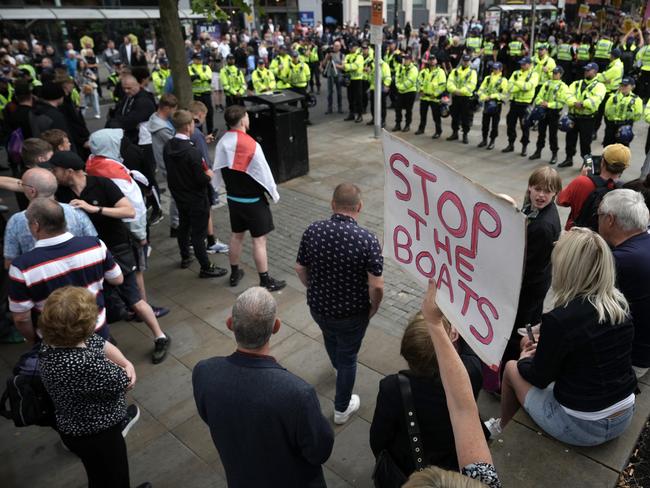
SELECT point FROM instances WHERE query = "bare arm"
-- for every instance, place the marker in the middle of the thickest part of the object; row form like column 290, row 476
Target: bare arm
column 303, row 274
column 376, row 292
column 24, row 324
column 115, row 355
column 11, row 184
column 122, row 209
column 117, row 281
column 471, row 446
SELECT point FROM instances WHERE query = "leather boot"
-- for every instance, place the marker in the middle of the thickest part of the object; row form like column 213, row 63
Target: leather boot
column 523, row 150
column 397, row 128
column 453, row 137
column 465, row 139
column 553, row 159
column 483, row 143
column 419, row 131
column 568, row 162
column 509, row 148
column 536, row 155
column 491, row 144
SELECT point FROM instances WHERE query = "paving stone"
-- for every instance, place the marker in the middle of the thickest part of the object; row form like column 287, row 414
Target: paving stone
column 352, row 458
column 556, row 464
column 380, row 352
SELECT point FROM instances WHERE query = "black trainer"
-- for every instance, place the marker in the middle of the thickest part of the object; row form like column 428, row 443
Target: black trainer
column 160, row 349
column 236, row 278
column 213, row 271
column 274, row 285
column 132, row 416
column 185, row 262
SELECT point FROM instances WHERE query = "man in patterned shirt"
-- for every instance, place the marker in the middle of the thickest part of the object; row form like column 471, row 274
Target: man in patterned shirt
column 341, row 265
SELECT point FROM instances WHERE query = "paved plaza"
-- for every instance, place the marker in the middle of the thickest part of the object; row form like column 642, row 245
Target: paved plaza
column 171, row 446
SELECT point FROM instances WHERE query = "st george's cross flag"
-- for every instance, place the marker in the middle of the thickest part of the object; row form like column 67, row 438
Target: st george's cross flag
column 238, row 151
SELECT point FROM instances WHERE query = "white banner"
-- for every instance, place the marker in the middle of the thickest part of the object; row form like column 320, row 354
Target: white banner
column 441, row 225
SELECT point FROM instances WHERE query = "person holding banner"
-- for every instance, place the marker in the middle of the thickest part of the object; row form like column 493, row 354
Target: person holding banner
column 461, row 84
column 577, row 381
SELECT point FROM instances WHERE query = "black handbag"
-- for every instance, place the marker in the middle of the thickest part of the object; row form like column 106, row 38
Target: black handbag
column 386, row 473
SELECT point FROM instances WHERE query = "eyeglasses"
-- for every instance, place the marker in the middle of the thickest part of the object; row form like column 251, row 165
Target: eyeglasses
column 28, row 186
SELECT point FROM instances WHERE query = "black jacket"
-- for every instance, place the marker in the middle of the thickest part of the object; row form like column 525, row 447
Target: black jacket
column 265, row 422
column 542, row 232
column 591, row 363
column 185, row 173
column 130, row 112
column 388, row 429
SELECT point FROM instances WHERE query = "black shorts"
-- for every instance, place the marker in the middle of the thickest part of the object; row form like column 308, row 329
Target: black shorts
column 254, row 217
column 129, row 291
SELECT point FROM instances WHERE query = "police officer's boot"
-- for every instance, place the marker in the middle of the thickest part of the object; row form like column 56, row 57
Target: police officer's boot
column 523, row 149
column 358, row 119
column 419, row 131
column 397, row 128
column 509, row 148
column 453, row 136
column 536, row 155
column 483, row 143
column 406, row 128
column 372, row 122
column 553, row 159
column 349, row 117
column 568, row 162
column 491, row 144
column 465, row 139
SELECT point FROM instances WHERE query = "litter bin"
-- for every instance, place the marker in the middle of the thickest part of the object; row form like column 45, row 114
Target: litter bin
column 281, row 132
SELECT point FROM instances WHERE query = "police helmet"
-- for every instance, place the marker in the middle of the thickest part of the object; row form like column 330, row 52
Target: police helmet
column 491, row 107
column 535, row 115
column 444, row 106
column 566, row 123
column 624, row 134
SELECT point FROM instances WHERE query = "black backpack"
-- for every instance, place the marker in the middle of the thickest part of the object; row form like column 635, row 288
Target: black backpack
column 29, row 402
column 588, row 216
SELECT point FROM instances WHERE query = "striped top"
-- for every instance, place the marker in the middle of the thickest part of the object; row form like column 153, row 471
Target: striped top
column 57, row 262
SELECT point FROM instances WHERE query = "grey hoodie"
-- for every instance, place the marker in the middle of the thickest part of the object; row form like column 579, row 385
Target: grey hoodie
column 161, row 131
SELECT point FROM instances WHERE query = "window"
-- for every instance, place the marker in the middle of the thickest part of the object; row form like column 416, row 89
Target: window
column 442, row 6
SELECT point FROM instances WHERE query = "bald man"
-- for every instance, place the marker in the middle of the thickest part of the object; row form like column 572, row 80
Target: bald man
column 134, row 108
column 39, row 182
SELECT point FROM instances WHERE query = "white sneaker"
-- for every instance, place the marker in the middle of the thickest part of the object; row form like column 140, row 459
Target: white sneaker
column 353, row 406
column 218, row 247
column 494, row 426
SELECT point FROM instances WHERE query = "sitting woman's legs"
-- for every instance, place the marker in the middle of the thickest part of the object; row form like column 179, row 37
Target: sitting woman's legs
column 513, row 392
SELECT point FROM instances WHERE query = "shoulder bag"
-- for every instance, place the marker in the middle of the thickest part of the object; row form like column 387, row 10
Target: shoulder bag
column 386, row 473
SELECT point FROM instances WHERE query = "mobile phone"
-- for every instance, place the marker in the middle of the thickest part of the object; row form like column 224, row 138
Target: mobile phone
column 529, row 331
column 214, row 133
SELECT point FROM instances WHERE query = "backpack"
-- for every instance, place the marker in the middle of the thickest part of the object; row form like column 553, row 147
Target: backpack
column 29, row 402
column 588, row 216
column 15, row 146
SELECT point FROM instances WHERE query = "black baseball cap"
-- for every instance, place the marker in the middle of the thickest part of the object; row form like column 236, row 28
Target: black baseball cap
column 67, row 160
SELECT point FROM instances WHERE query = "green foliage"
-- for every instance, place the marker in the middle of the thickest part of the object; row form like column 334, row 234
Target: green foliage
column 212, row 10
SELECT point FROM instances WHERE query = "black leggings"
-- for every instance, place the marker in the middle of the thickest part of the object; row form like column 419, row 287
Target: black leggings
column 103, row 456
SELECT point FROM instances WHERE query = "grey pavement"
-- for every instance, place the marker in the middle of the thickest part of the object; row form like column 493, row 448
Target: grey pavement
column 171, row 446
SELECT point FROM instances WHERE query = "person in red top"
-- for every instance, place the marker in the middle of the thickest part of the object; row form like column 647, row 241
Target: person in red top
column 615, row 160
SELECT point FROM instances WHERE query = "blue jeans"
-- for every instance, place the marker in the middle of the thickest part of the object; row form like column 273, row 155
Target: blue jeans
column 342, row 341
column 547, row 412
column 332, row 83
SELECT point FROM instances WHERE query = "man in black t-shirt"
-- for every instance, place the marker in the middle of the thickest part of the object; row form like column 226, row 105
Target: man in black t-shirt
column 106, row 206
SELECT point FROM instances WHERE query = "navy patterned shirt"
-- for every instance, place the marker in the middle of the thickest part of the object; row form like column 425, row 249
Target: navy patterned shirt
column 339, row 254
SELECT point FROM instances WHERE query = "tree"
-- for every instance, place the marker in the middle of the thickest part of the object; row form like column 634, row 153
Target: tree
column 170, row 24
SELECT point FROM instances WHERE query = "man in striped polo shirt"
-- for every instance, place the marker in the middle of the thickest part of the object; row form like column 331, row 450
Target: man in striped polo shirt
column 57, row 260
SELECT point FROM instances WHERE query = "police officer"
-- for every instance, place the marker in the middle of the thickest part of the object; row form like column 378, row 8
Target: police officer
column 353, row 66
column 583, row 100
column 461, row 84
column 432, row 83
column 393, row 58
column 602, row 51
column 492, row 92
column 159, row 76
column 552, row 97
column 489, row 52
column 565, row 58
column 516, row 50
column 299, row 76
column 262, row 78
column 643, row 61
column 313, row 58
column 233, row 82
column 622, row 108
column 201, row 77
column 474, row 42
column 522, row 91
column 406, row 82
column 611, row 78
column 279, row 67
column 543, row 64
column 386, row 80
column 6, row 93
column 113, row 80
column 583, row 56
column 365, row 83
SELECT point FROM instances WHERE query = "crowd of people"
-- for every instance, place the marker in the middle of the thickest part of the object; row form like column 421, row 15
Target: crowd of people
column 76, row 251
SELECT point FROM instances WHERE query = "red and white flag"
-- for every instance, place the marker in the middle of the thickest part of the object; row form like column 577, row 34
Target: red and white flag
column 240, row 152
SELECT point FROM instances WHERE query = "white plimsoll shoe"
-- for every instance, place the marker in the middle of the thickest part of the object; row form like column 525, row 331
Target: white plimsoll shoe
column 494, row 426
column 342, row 417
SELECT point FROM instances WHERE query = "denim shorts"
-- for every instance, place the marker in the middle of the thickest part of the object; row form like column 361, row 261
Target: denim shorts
column 547, row 412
